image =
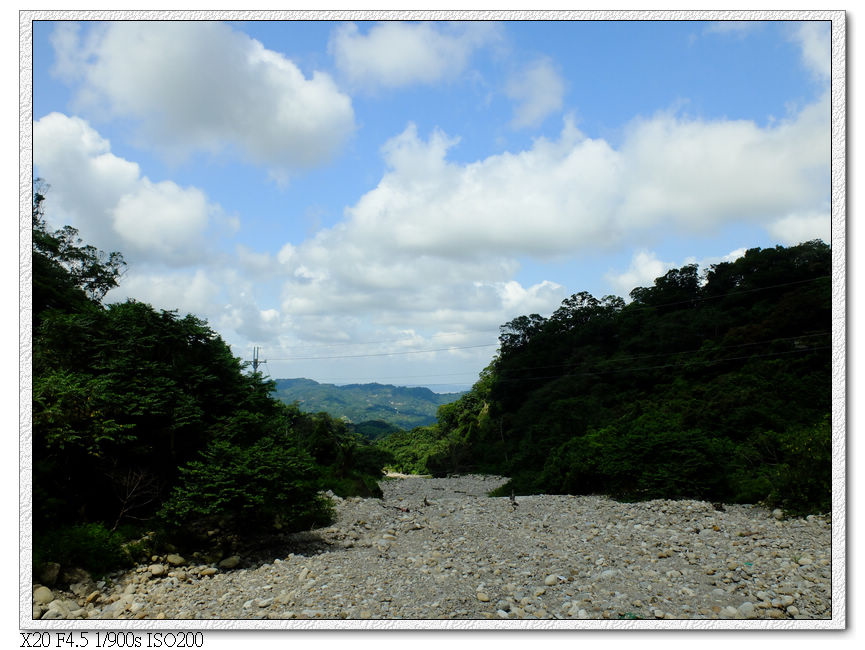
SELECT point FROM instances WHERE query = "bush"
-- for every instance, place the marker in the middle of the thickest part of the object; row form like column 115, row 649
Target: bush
column 91, row 546
column 802, row 482
column 248, row 489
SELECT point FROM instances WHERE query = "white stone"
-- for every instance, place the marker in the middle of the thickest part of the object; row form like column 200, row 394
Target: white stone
column 43, row 596
column 747, row 610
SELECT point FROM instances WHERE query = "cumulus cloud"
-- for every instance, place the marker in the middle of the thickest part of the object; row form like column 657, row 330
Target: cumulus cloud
column 538, row 92
column 110, row 202
column 394, row 54
column 645, row 267
column 797, row 228
column 203, row 86
column 438, row 241
column 696, row 174
column 814, row 40
column 198, row 292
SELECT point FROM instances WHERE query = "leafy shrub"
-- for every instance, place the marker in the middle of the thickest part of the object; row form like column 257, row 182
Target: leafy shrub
column 802, row 481
column 248, row 488
column 91, row 546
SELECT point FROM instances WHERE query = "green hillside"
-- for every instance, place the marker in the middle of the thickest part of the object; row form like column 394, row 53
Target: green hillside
column 398, row 406
column 715, row 386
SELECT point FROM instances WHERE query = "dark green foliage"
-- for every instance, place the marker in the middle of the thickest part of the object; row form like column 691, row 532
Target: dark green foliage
column 410, row 450
column 140, row 415
column 90, row 546
column 250, row 488
column 66, row 274
column 707, row 388
column 375, row 429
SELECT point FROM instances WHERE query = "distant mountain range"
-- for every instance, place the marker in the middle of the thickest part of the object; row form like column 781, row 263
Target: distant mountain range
column 399, row 406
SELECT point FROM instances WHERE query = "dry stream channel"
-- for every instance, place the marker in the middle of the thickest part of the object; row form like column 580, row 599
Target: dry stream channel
column 442, row 549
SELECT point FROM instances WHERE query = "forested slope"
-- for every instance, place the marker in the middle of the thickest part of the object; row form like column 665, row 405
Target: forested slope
column 400, row 406
column 715, row 387
column 144, row 421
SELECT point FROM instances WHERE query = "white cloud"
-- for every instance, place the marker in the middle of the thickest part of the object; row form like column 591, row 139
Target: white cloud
column 196, row 292
column 695, row 174
column 740, row 28
column 393, row 54
column 796, row 228
column 203, row 86
column 538, row 91
column 813, row 39
column 110, row 202
column 645, row 267
column 158, row 216
column 438, row 241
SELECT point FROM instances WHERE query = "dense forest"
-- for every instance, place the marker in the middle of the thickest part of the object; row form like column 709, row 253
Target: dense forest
column 144, row 422
column 714, row 386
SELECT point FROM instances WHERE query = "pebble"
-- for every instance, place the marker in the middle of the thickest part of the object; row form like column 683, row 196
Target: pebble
column 43, row 596
column 462, row 555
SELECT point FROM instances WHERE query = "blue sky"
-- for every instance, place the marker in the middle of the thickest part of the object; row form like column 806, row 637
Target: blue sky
column 351, row 196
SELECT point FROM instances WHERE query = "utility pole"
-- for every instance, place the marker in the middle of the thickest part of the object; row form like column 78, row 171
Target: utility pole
column 255, row 360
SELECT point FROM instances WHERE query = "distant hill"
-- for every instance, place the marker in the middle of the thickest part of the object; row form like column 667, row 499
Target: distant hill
column 398, row 406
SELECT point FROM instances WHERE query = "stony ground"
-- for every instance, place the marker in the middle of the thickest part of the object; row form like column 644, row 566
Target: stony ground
column 441, row 549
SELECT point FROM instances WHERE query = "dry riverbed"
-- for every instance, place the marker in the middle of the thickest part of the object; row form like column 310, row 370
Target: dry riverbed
column 441, row 549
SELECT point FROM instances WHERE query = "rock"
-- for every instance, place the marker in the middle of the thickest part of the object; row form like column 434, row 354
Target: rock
column 70, row 576
column 49, row 573
column 81, row 589
column 231, row 562
column 43, row 596
column 778, row 514
column 607, row 551
column 175, row 560
column 156, row 570
column 747, row 610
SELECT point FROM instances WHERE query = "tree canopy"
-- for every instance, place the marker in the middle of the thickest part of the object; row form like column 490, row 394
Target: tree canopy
column 713, row 386
column 144, row 419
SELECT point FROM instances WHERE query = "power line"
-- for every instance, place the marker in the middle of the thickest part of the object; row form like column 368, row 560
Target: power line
column 389, row 341
column 670, row 354
column 636, row 307
column 386, row 354
column 706, row 362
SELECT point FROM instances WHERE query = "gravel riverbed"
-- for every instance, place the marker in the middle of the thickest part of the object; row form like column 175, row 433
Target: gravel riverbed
column 442, row 549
